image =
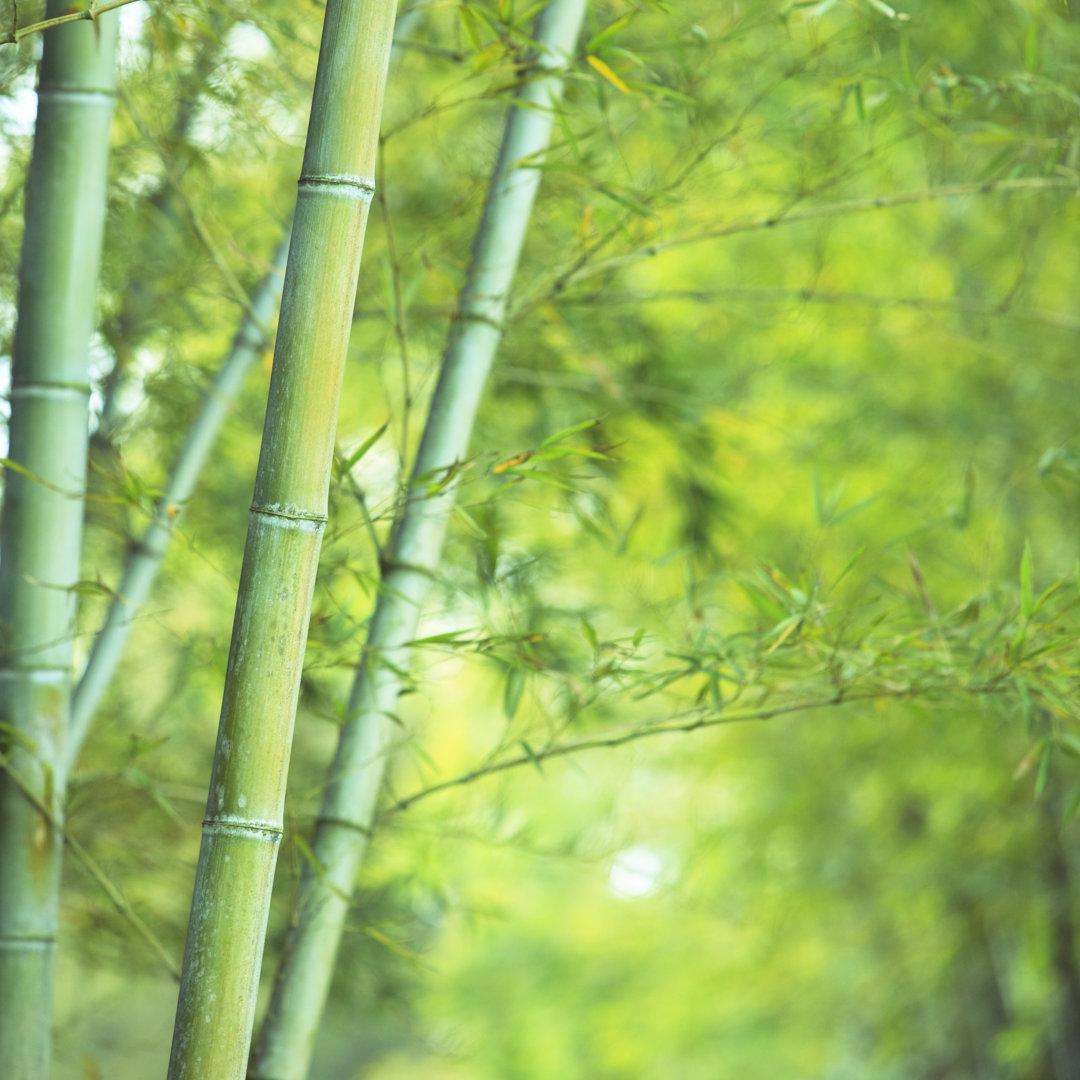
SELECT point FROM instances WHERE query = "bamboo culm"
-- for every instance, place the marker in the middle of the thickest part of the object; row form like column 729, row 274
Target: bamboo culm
column 41, row 536
column 286, row 1040
column 245, row 806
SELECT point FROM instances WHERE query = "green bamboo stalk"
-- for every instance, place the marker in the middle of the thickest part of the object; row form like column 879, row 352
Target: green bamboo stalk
column 286, row 1041
column 243, row 825
column 41, row 533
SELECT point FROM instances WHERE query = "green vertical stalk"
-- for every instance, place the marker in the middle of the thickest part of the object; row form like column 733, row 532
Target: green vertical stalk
column 243, row 824
column 286, row 1040
column 41, row 533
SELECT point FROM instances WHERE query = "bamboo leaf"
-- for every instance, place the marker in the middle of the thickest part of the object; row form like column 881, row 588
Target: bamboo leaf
column 515, row 685
column 1031, row 46
column 531, row 754
column 450, row 637
column 29, row 474
column 572, row 430
column 392, row 945
column 544, row 477
column 1073, row 806
column 1028, row 760
column 362, row 449
column 509, row 463
column 598, row 65
column 609, row 31
column 848, row 566
column 1027, row 602
column 1043, row 775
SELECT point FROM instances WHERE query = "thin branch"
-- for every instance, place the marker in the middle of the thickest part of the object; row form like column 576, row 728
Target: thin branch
column 1056, row 319
column 678, row 723
column 112, row 891
column 357, row 493
column 810, row 213
column 17, row 33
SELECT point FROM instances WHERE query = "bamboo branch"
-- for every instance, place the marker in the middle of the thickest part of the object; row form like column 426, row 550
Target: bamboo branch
column 810, row 213
column 17, row 33
column 90, row 865
column 678, row 723
column 987, row 308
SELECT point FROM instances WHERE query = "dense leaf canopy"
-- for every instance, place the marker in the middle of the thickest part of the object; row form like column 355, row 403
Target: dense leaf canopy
column 740, row 736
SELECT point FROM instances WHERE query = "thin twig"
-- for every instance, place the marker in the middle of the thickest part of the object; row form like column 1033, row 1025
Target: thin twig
column 692, row 720
column 112, row 891
column 17, row 33
column 1056, row 319
column 822, row 210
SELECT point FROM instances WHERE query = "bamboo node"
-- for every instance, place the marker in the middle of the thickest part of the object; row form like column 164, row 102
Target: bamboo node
column 246, row 827
column 361, row 188
column 49, row 389
column 300, row 519
column 18, row 941
column 77, row 95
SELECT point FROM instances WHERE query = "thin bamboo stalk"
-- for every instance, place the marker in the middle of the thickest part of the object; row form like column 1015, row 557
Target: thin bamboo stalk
column 286, row 1040
column 41, row 534
column 144, row 561
column 243, row 825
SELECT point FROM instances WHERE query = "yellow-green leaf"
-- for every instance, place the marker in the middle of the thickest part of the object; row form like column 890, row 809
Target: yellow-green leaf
column 608, row 74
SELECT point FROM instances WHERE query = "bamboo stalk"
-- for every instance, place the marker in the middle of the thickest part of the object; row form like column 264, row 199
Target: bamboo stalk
column 243, row 825
column 286, row 1040
column 41, row 534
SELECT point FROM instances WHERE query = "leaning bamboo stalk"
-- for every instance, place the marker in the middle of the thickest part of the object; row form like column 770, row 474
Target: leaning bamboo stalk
column 243, row 825
column 144, row 561
column 41, row 535
column 286, row 1040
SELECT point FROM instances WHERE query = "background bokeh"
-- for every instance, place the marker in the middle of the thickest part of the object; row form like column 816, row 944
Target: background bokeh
column 803, row 278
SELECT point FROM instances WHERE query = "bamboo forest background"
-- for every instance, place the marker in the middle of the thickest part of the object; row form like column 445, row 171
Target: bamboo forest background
column 739, row 737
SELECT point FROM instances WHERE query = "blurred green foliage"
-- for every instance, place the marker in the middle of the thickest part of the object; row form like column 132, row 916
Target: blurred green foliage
column 802, row 277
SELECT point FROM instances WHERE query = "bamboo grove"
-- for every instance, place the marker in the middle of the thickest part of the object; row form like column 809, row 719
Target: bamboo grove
column 652, row 568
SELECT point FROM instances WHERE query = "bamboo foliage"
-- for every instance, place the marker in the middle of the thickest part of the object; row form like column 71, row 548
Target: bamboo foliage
column 41, row 535
column 245, row 805
column 286, row 1041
